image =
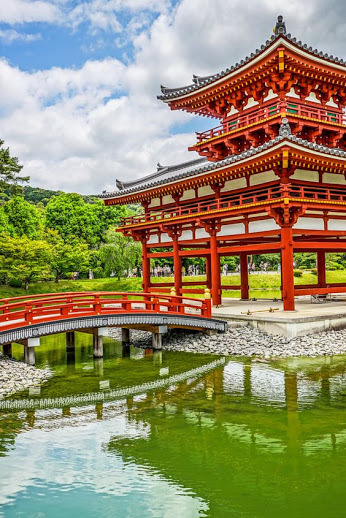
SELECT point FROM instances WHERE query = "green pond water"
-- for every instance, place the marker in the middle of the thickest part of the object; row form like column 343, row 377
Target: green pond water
column 244, row 438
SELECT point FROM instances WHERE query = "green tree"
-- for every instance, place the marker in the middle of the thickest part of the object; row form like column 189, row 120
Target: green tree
column 119, row 254
column 9, row 171
column 4, row 225
column 67, row 257
column 24, row 259
column 73, row 218
column 23, row 218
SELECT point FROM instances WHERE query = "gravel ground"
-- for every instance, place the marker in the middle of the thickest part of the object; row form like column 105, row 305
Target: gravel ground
column 246, row 341
column 16, row 376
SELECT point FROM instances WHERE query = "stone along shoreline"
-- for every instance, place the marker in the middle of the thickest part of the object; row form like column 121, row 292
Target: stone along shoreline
column 246, row 341
column 16, row 376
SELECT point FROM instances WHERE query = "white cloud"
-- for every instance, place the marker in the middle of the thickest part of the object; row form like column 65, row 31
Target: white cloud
column 79, row 129
column 8, row 36
column 24, row 11
column 99, row 14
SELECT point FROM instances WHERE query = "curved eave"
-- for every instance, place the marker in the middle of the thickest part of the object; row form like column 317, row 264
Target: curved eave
column 306, row 149
column 335, row 64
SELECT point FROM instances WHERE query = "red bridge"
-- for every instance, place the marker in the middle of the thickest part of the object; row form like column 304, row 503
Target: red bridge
column 25, row 319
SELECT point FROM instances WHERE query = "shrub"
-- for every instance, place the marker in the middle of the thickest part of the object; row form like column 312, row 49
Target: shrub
column 297, row 273
column 15, row 283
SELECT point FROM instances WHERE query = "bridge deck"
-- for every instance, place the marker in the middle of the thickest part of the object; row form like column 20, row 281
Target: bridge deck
column 22, row 318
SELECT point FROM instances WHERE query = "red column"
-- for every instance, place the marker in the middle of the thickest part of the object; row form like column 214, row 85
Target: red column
column 145, row 267
column 208, row 271
column 321, row 268
column 177, row 266
column 287, row 287
column 244, row 276
column 215, row 270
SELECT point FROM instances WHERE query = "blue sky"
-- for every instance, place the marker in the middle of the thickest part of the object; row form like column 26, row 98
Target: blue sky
column 79, row 78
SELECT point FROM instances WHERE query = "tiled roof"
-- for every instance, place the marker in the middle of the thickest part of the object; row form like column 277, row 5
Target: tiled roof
column 161, row 171
column 210, row 166
column 199, row 82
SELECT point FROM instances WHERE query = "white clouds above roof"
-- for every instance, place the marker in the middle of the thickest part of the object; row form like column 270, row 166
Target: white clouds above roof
column 80, row 128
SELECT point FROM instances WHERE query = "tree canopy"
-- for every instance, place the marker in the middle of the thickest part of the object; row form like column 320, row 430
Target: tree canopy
column 9, row 171
column 73, row 218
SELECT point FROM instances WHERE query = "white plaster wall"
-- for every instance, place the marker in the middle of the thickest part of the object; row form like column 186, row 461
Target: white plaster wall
column 237, row 183
column 312, row 97
column 200, row 232
column 167, row 199
column 308, row 176
column 188, row 195
column 154, row 202
column 310, row 223
column 251, row 102
column 205, row 191
column 262, row 225
column 270, row 95
column 334, row 178
column 337, row 224
column 267, row 176
column 332, row 103
column 232, row 111
column 165, row 238
column 154, row 238
column 228, row 230
column 292, row 93
column 186, row 234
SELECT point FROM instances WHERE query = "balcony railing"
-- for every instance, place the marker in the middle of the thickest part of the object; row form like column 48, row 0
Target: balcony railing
column 239, row 121
column 249, row 196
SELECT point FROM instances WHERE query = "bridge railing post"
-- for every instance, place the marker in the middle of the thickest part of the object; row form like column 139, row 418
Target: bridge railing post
column 28, row 314
column 65, row 310
column 207, row 302
column 97, row 304
column 156, row 304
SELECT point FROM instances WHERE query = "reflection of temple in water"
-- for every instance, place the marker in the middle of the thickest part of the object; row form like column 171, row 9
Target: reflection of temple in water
column 229, row 433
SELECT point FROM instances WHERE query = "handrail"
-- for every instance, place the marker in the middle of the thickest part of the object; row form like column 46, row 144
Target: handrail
column 242, row 198
column 240, row 120
column 37, row 309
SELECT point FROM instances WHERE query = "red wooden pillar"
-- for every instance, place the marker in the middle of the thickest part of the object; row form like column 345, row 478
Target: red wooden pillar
column 215, row 270
column 177, row 266
column 208, row 271
column 321, row 268
column 145, row 267
column 287, row 287
column 244, row 276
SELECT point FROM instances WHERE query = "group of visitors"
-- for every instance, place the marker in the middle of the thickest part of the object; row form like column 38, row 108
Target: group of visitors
column 161, row 271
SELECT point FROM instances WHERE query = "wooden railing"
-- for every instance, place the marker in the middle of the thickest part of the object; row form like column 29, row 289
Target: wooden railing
column 250, row 195
column 35, row 309
column 242, row 120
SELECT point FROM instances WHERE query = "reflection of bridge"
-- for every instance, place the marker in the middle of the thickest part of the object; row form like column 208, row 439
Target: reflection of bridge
column 25, row 319
column 109, row 395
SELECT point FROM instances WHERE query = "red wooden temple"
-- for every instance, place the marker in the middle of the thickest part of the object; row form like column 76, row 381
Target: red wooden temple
column 270, row 177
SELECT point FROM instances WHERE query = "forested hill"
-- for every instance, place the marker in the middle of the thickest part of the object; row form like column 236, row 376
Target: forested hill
column 37, row 195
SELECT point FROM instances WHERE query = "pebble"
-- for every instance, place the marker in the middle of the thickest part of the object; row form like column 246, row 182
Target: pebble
column 16, row 376
column 246, row 341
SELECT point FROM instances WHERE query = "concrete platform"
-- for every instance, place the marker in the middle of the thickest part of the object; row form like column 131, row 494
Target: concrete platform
column 309, row 317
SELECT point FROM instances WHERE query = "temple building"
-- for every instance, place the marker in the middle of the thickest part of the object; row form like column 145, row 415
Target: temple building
column 270, row 178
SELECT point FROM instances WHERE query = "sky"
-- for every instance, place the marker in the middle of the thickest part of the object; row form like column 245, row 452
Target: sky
column 79, row 78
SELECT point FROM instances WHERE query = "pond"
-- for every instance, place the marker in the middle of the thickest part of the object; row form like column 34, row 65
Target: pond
column 162, row 434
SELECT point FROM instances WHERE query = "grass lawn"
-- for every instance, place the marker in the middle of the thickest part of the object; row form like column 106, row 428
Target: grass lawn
column 261, row 286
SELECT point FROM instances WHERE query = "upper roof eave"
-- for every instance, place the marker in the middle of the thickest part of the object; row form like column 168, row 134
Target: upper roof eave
column 173, row 94
column 268, row 147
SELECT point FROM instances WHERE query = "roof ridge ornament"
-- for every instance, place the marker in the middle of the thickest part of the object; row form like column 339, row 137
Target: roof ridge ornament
column 280, row 27
column 285, row 128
